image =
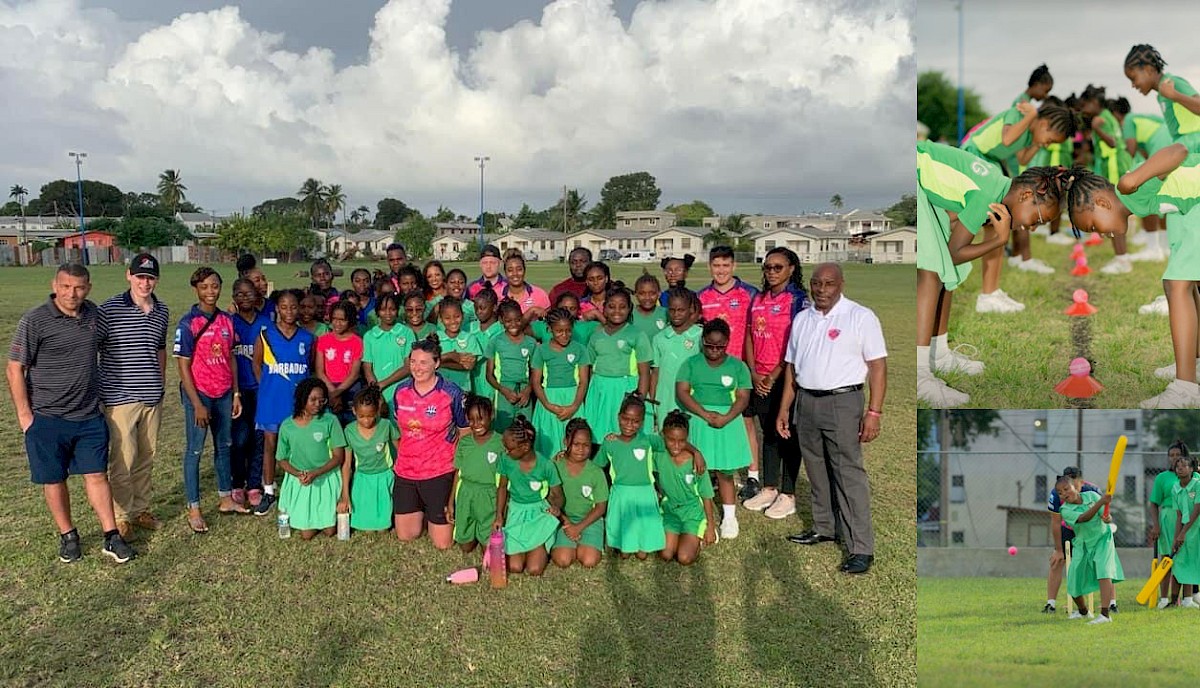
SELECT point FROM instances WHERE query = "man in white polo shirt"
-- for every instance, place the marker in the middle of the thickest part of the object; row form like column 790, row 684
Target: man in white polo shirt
column 835, row 347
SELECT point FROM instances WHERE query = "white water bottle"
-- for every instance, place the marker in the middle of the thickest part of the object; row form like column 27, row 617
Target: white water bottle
column 285, row 525
column 343, row 526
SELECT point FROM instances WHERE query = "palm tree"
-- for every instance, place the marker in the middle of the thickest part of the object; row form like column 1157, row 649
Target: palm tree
column 836, row 202
column 729, row 231
column 312, row 200
column 568, row 214
column 171, row 188
column 364, row 213
column 335, row 200
column 18, row 193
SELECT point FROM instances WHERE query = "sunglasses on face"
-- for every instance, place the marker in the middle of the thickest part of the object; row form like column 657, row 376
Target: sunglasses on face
column 773, row 267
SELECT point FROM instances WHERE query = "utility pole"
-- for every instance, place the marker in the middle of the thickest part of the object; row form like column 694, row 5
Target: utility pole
column 1079, row 439
column 564, row 209
column 944, row 467
column 79, row 183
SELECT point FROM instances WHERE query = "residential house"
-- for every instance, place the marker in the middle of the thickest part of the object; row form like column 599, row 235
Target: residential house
column 894, row 246
column 812, row 245
column 448, row 247
column 94, row 240
column 621, row 240
column 368, row 241
column 649, row 220
column 858, row 223
column 545, row 244
column 467, row 229
column 677, row 241
column 765, row 223
column 201, row 225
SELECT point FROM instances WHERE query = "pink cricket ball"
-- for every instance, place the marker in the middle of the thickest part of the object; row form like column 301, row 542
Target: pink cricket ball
column 1081, row 261
column 1079, row 296
column 1079, row 367
column 1012, row 551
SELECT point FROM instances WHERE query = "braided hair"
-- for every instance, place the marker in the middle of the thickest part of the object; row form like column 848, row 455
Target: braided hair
column 632, row 400
column 1041, row 75
column 676, row 419
column 1061, row 119
column 557, row 315
column 1093, row 93
column 1047, row 183
column 369, row 396
column 488, row 294
column 689, row 297
column 522, row 430
column 1082, row 186
column 303, row 390
column 574, row 426
column 1143, row 55
column 1120, row 106
column 477, row 403
column 618, row 288
column 508, row 305
column 647, row 278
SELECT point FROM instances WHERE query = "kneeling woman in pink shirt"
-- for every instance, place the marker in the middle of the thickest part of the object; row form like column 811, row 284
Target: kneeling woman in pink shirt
column 429, row 413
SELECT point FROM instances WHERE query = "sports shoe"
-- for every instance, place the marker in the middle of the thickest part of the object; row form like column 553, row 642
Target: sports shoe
column 1112, row 608
column 729, row 528
column 1149, row 254
column 1035, row 265
column 1138, row 238
column 997, row 302
column 254, row 497
column 958, row 360
column 116, row 547
column 1061, row 239
column 751, row 488
column 1102, row 619
column 1076, row 615
column 1049, row 609
column 1119, row 265
column 762, row 500
column 1164, row 602
column 264, row 506
column 1156, row 307
column 1189, row 603
column 68, row 547
column 933, row 391
column 1178, row 394
column 783, row 507
column 1168, row 372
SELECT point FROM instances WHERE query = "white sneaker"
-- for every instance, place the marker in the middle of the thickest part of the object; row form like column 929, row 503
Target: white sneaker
column 1014, row 261
column 729, row 528
column 956, row 361
column 1139, row 239
column 1118, row 266
column 783, row 507
column 1156, row 307
column 1189, row 603
column 1150, row 253
column 1164, row 602
column 1178, row 394
column 997, row 302
column 1063, row 238
column 762, row 500
column 1168, row 373
column 1076, row 615
column 933, row 391
column 1102, row 619
column 1035, row 265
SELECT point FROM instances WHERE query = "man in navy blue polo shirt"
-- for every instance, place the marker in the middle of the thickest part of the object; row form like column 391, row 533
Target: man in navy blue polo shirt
column 52, row 376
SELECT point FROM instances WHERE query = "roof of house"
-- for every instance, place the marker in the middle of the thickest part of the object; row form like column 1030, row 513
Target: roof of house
column 894, row 230
column 691, row 231
column 857, row 215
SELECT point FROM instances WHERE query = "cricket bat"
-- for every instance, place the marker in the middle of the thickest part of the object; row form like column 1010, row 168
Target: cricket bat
column 1114, row 469
column 1156, row 576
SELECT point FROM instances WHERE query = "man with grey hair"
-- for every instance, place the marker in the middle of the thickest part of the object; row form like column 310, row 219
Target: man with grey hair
column 834, row 348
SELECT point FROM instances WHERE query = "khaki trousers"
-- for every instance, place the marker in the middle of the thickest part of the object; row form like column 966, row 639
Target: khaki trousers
column 133, row 446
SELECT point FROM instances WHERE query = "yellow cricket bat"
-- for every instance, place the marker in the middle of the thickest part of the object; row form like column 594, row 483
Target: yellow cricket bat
column 1114, row 469
column 1153, row 565
column 1156, row 577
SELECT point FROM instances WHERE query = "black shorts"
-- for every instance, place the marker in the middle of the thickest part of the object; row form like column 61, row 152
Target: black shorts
column 58, row 447
column 1067, row 535
column 428, row 496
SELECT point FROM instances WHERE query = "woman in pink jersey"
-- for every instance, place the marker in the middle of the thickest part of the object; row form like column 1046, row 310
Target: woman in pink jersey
column 429, row 412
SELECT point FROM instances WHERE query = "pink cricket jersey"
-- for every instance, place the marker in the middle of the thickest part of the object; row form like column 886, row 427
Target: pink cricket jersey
column 428, row 429
column 732, row 306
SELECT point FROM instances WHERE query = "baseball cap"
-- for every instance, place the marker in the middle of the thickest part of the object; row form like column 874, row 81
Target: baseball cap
column 144, row 264
column 489, row 251
column 1072, row 472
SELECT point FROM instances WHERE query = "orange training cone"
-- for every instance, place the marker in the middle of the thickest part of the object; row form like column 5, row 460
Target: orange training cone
column 1077, row 251
column 1079, row 384
column 1094, row 239
column 1081, row 305
column 1081, row 267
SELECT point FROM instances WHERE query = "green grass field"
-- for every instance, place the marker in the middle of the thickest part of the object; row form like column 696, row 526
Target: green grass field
column 990, row 632
column 1027, row 353
column 240, row 606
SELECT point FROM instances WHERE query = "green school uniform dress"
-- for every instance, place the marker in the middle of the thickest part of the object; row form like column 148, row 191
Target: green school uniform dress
column 649, row 324
column 1162, row 495
column 987, row 140
column 475, row 496
column 954, row 181
column 714, row 388
column 560, row 380
column 387, row 351
column 1093, row 554
column 512, row 371
column 307, row 448
column 1176, row 196
column 633, row 522
column 1110, row 162
column 371, row 484
column 1183, row 125
column 528, row 525
column 683, row 495
column 319, row 329
column 1186, row 567
column 479, row 381
column 671, row 349
column 580, row 494
column 615, row 358
column 464, row 343
column 1148, row 131
column 581, row 330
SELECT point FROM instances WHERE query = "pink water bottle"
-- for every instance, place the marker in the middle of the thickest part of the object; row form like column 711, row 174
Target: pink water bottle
column 497, row 565
column 463, row 576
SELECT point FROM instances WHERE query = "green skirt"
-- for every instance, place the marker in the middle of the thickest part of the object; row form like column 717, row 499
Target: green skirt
column 688, row 519
column 506, row 412
column 1166, row 532
column 1186, row 564
column 528, row 526
column 1090, row 563
column 592, row 536
column 633, row 522
column 933, row 244
column 371, row 500
column 604, row 397
column 474, row 512
column 551, row 430
column 1183, row 236
column 312, row 506
column 724, row 449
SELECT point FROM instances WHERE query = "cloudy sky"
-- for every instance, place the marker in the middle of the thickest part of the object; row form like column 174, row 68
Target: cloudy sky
column 752, row 105
column 1004, row 42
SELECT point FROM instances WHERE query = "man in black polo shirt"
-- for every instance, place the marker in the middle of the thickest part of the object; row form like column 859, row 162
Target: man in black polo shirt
column 52, row 376
column 133, row 360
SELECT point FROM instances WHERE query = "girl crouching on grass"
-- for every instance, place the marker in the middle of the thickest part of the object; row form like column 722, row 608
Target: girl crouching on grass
column 530, row 518
column 687, row 496
column 311, row 454
column 585, row 495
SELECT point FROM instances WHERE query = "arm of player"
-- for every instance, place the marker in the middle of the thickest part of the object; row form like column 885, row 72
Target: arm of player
column 1166, row 88
column 962, row 248
column 1094, row 508
column 1162, row 163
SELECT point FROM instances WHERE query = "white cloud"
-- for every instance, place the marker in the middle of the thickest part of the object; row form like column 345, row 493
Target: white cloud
column 768, row 99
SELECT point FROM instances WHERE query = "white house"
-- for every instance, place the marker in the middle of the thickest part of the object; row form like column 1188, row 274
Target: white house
column 858, row 222
column 447, row 247
column 765, row 223
column 651, row 220
column 367, row 241
column 894, row 246
column 617, row 239
column 810, row 244
column 677, row 241
column 543, row 243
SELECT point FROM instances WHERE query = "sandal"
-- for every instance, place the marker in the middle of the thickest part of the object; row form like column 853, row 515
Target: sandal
column 197, row 524
column 234, row 508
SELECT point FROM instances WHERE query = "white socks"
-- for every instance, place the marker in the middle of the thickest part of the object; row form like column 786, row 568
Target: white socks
column 269, row 489
column 752, row 474
column 727, row 512
column 1052, row 603
column 924, row 360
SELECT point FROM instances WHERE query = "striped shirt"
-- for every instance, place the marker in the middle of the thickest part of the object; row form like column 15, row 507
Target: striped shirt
column 58, row 352
column 130, row 343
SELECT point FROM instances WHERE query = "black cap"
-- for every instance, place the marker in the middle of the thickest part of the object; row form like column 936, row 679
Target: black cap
column 489, row 250
column 1072, row 472
column 144, row 264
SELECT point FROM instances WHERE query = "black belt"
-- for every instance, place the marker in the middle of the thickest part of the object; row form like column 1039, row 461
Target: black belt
column 831, row 392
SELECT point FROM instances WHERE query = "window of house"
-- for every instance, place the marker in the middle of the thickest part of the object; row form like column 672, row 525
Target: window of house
column 653, row 221
column 1131, row 487
column 958, row 492
column 685, row 243
column 769, row 244
column 627, row 222
column 766, row 224
column 958, row 537
column 1040, row 493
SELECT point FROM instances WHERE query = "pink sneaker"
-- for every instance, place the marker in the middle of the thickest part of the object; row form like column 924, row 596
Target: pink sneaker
column 255, row 497
column 239, row 496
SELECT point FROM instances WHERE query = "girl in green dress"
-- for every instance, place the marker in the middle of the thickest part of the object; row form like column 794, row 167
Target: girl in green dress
column 472, row 505
column 715, row 388
column 385, row 349
column 1185, row 497
column 621, row 359
column 1162, row 518
column 462, row 352
column 372, row 443
column 585, row 497
column 311, row 450
column 456, row 286
column 633, row 523
column 529, row 501
column 687, row 496
column 508, row 355
column 674, row 345
column 486, row 327
column 558, row 375
column 1094, row 561
column 581, row 330
column 649, row 318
